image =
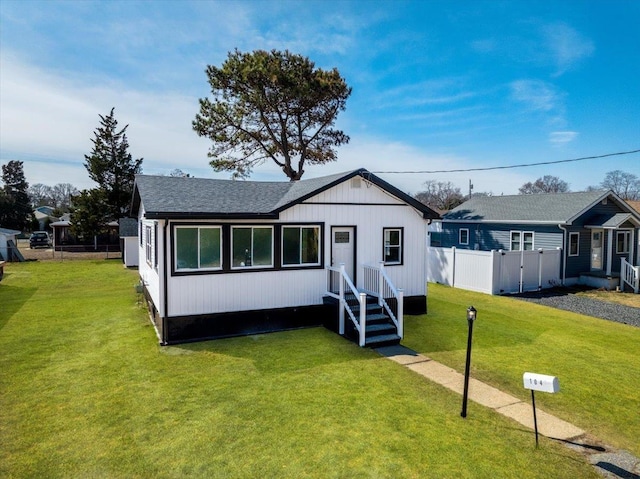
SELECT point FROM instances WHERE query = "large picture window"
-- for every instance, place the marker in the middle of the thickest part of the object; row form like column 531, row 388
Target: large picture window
column 392, row 245
column 252, row 246
column 198, row 247
column 300, row 245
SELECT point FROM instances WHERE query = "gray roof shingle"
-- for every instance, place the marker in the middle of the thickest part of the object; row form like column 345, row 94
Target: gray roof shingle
column 540, row 208
column 166, row 196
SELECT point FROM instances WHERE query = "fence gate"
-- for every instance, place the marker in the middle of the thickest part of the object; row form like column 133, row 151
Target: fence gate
column 495, row 272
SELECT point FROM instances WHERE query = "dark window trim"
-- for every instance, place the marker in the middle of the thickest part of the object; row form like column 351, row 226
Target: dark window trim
column 174, row 270
column 227, row 248
column 401, row 229
column 320, row 245
column 270, row 226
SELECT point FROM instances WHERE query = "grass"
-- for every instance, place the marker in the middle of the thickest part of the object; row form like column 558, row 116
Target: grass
column 624, row 298
column 87, row 392
column 596, row 361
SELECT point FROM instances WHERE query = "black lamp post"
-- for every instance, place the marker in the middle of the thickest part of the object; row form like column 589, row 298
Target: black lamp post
column 471, row 317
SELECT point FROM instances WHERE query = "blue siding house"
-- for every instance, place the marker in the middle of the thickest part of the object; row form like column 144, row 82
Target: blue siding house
column 594, row 229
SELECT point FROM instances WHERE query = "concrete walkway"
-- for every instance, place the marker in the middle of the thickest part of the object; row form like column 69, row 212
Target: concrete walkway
column 620, row 464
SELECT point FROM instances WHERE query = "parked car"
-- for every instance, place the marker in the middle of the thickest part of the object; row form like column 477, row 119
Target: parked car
column 39, row 238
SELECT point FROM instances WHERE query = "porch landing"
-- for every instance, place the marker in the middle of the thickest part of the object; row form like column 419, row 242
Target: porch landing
column 600, row 280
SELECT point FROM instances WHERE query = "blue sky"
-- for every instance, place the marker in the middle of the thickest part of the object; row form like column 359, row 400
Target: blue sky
column 437, row 85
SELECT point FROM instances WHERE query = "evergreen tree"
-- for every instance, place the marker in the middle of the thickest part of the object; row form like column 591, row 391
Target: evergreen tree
column 112, row 167
column 271, row 106
column 15, row 206
column 89, row 216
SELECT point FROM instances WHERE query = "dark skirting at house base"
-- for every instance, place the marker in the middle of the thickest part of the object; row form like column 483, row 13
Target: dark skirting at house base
column 184, row 329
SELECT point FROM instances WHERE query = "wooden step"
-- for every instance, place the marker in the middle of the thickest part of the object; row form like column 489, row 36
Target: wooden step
column 382, row 340
column 379, row 328
column 377, row 317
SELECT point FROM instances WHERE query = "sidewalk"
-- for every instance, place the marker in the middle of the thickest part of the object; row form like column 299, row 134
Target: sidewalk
column 610, row 463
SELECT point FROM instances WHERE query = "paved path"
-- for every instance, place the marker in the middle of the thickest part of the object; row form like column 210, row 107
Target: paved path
column 609, row 462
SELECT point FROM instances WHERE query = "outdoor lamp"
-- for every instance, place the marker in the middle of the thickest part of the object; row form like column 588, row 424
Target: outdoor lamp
column 471, row 317
column 471, row 313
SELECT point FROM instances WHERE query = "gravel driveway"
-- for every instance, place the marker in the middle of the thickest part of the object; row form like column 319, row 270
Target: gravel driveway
column 583, row 305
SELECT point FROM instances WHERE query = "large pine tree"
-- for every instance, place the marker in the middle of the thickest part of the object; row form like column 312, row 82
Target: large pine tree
column 15, row 207
column 112, row 167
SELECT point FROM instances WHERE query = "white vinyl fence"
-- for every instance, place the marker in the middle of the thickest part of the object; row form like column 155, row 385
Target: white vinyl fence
column 494, row 272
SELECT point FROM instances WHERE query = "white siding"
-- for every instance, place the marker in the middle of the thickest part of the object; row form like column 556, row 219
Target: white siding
column 131, row 251
column 148, row 274
column 368, row 208
column 219, row 293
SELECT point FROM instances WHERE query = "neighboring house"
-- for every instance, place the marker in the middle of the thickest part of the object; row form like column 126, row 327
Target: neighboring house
column 596, row 230
column 44, row 216
column 63, row 238
column 62, row 231
column 8, row 243
column 222, row 258
column 129, row 241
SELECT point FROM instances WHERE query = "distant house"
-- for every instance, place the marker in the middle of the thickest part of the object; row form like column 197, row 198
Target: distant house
column 222, row 258
column 63, row 238
column 44, row 216
column 62, row 231
column 596, row 230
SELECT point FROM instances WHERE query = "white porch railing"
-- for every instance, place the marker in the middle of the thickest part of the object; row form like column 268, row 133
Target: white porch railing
column 378, row 284
column 340, row 287
column 629, row 274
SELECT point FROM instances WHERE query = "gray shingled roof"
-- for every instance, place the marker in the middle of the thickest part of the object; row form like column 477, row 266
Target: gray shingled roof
column 128, row 227
column 541, row 208
column 614, row 220
column 202, row 197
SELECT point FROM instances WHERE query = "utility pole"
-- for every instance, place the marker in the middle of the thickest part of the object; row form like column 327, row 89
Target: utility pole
column 470, row 188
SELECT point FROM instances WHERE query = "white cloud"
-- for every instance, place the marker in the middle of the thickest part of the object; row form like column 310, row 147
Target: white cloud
column 536, row 94
column 567, row 46
column 46, row 118
column 559, row 138
column 56, row 117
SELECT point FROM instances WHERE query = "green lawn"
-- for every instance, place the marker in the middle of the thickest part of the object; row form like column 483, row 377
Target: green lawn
column 596, row 361
column 85, row 391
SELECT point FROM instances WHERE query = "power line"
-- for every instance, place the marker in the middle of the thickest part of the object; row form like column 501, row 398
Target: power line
column 512, row 166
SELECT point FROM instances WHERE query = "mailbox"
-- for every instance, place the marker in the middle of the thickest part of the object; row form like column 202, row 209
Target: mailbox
column 541, row 382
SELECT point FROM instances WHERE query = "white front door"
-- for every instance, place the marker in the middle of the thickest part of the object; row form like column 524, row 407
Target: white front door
column 596, row 250
column 343, row 248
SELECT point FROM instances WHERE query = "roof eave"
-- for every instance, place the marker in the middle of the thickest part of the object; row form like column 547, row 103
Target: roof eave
column 172, row 215
column 514, row 221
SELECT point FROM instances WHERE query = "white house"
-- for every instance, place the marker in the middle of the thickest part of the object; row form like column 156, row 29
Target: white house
column 222, row 258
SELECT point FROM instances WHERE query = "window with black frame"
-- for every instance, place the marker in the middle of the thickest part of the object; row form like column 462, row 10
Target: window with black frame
column 300, row 245
column 251, row 247
column 198, row 248
column 392, row 248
